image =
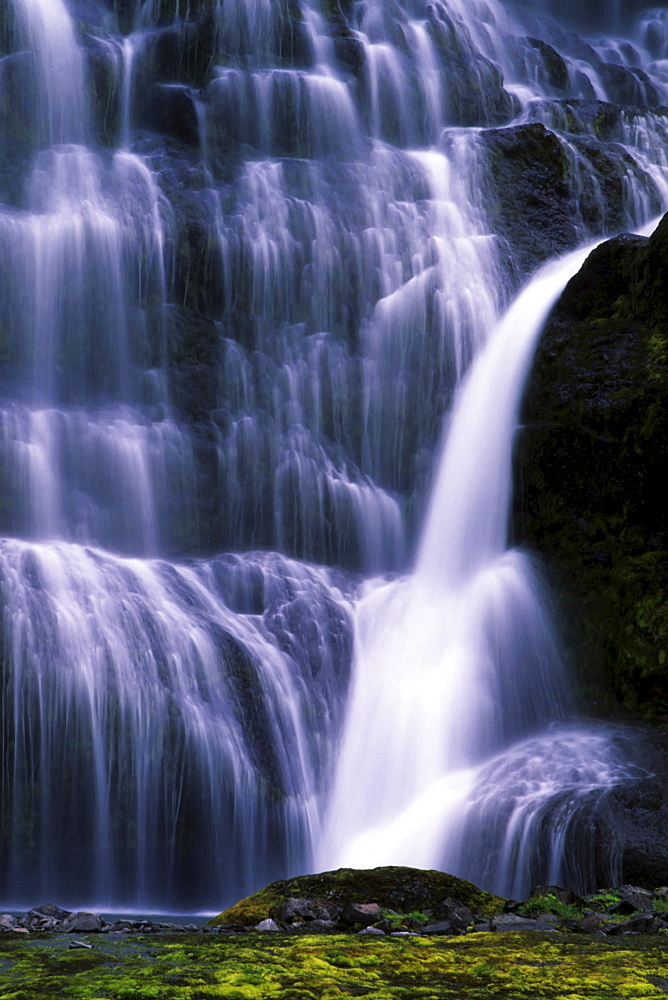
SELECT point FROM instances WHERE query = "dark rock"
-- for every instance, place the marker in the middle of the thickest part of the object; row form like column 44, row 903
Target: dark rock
column 170, row 110
column 457, row 913
column 513, row 922
column 591, row 462
column 529, row 201
column 50, row 910
column 634, row 902
column 442, row 927
column 592, row 923
column 321, row 927
column 360, row 913
column 555, row 71
column 82, row 922
column 289, row 910
column 476, row 95
column 643, row 924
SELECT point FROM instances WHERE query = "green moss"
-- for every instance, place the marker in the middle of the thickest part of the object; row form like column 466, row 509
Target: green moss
column 400, row 889
column 549, row 904
column 416, row 918
column 507, row 966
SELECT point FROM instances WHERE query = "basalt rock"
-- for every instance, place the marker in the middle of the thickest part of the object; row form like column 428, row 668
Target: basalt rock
column 592, row 458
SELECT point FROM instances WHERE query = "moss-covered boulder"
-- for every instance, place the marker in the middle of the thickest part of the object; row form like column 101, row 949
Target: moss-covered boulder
column 592, row 460
column 403, row 890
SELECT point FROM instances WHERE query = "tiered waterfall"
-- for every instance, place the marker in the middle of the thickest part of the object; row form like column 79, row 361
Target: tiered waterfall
column 253, row 275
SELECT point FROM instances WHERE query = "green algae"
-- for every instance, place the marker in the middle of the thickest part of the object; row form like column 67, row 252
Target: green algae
column 253, row 967
column 401, row 889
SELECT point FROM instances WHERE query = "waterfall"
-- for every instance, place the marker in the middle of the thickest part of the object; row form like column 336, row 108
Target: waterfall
column 459, row 660
column 255, row 262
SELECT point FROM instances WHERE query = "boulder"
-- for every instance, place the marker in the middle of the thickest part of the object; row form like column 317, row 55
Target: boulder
column 50, row 910
column 591, row 923
column 441, row 927
column 404, row 890
column 645, row 923
column 360, row 913
column 290, row 910
column 591, row 461
column 82, row 922
column 267, row 925
column 513, row 922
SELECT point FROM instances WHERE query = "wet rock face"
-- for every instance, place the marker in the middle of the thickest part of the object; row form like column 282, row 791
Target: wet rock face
column 591, row 463
column 534, row 176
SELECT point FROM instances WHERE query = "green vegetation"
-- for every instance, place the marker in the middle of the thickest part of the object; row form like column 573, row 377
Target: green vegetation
column 507, row 966
column 403, row 890
column 397, row 921
column 549, row 904
column 603, row 900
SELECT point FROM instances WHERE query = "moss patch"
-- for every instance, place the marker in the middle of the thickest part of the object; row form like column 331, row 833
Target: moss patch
column 479, row 967
column 397, row 888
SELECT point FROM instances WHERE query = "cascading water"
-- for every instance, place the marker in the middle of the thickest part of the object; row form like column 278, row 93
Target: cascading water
column 247, row 254
column 460, row 657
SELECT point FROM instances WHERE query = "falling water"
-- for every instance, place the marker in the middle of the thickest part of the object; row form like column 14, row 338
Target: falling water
column 459, row 660
column 248, row 268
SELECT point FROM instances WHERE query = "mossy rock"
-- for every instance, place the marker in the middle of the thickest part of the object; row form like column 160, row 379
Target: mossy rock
column 394, row 888
column 591, row 460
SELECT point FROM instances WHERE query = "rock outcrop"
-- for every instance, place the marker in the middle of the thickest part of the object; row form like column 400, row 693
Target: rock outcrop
column 592, row 459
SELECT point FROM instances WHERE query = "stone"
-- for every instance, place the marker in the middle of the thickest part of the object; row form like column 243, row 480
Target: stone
column 8, row 921
column 79, row 944
column 321, row 927
column 267, row 925
column 290, row 910
column 512, row 922
column 593, row 422
column 372, row 931
column 361, row 913
column 457, row 913
column 441, row 927
column 591, row 923
column 82, row 922
column 644, row 923
column 50, row 910
column 634, row 902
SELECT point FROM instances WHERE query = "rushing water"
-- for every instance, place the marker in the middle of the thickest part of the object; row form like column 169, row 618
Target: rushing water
column 248, row 267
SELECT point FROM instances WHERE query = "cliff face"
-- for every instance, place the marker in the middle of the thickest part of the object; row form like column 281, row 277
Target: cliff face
column 592, row 459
